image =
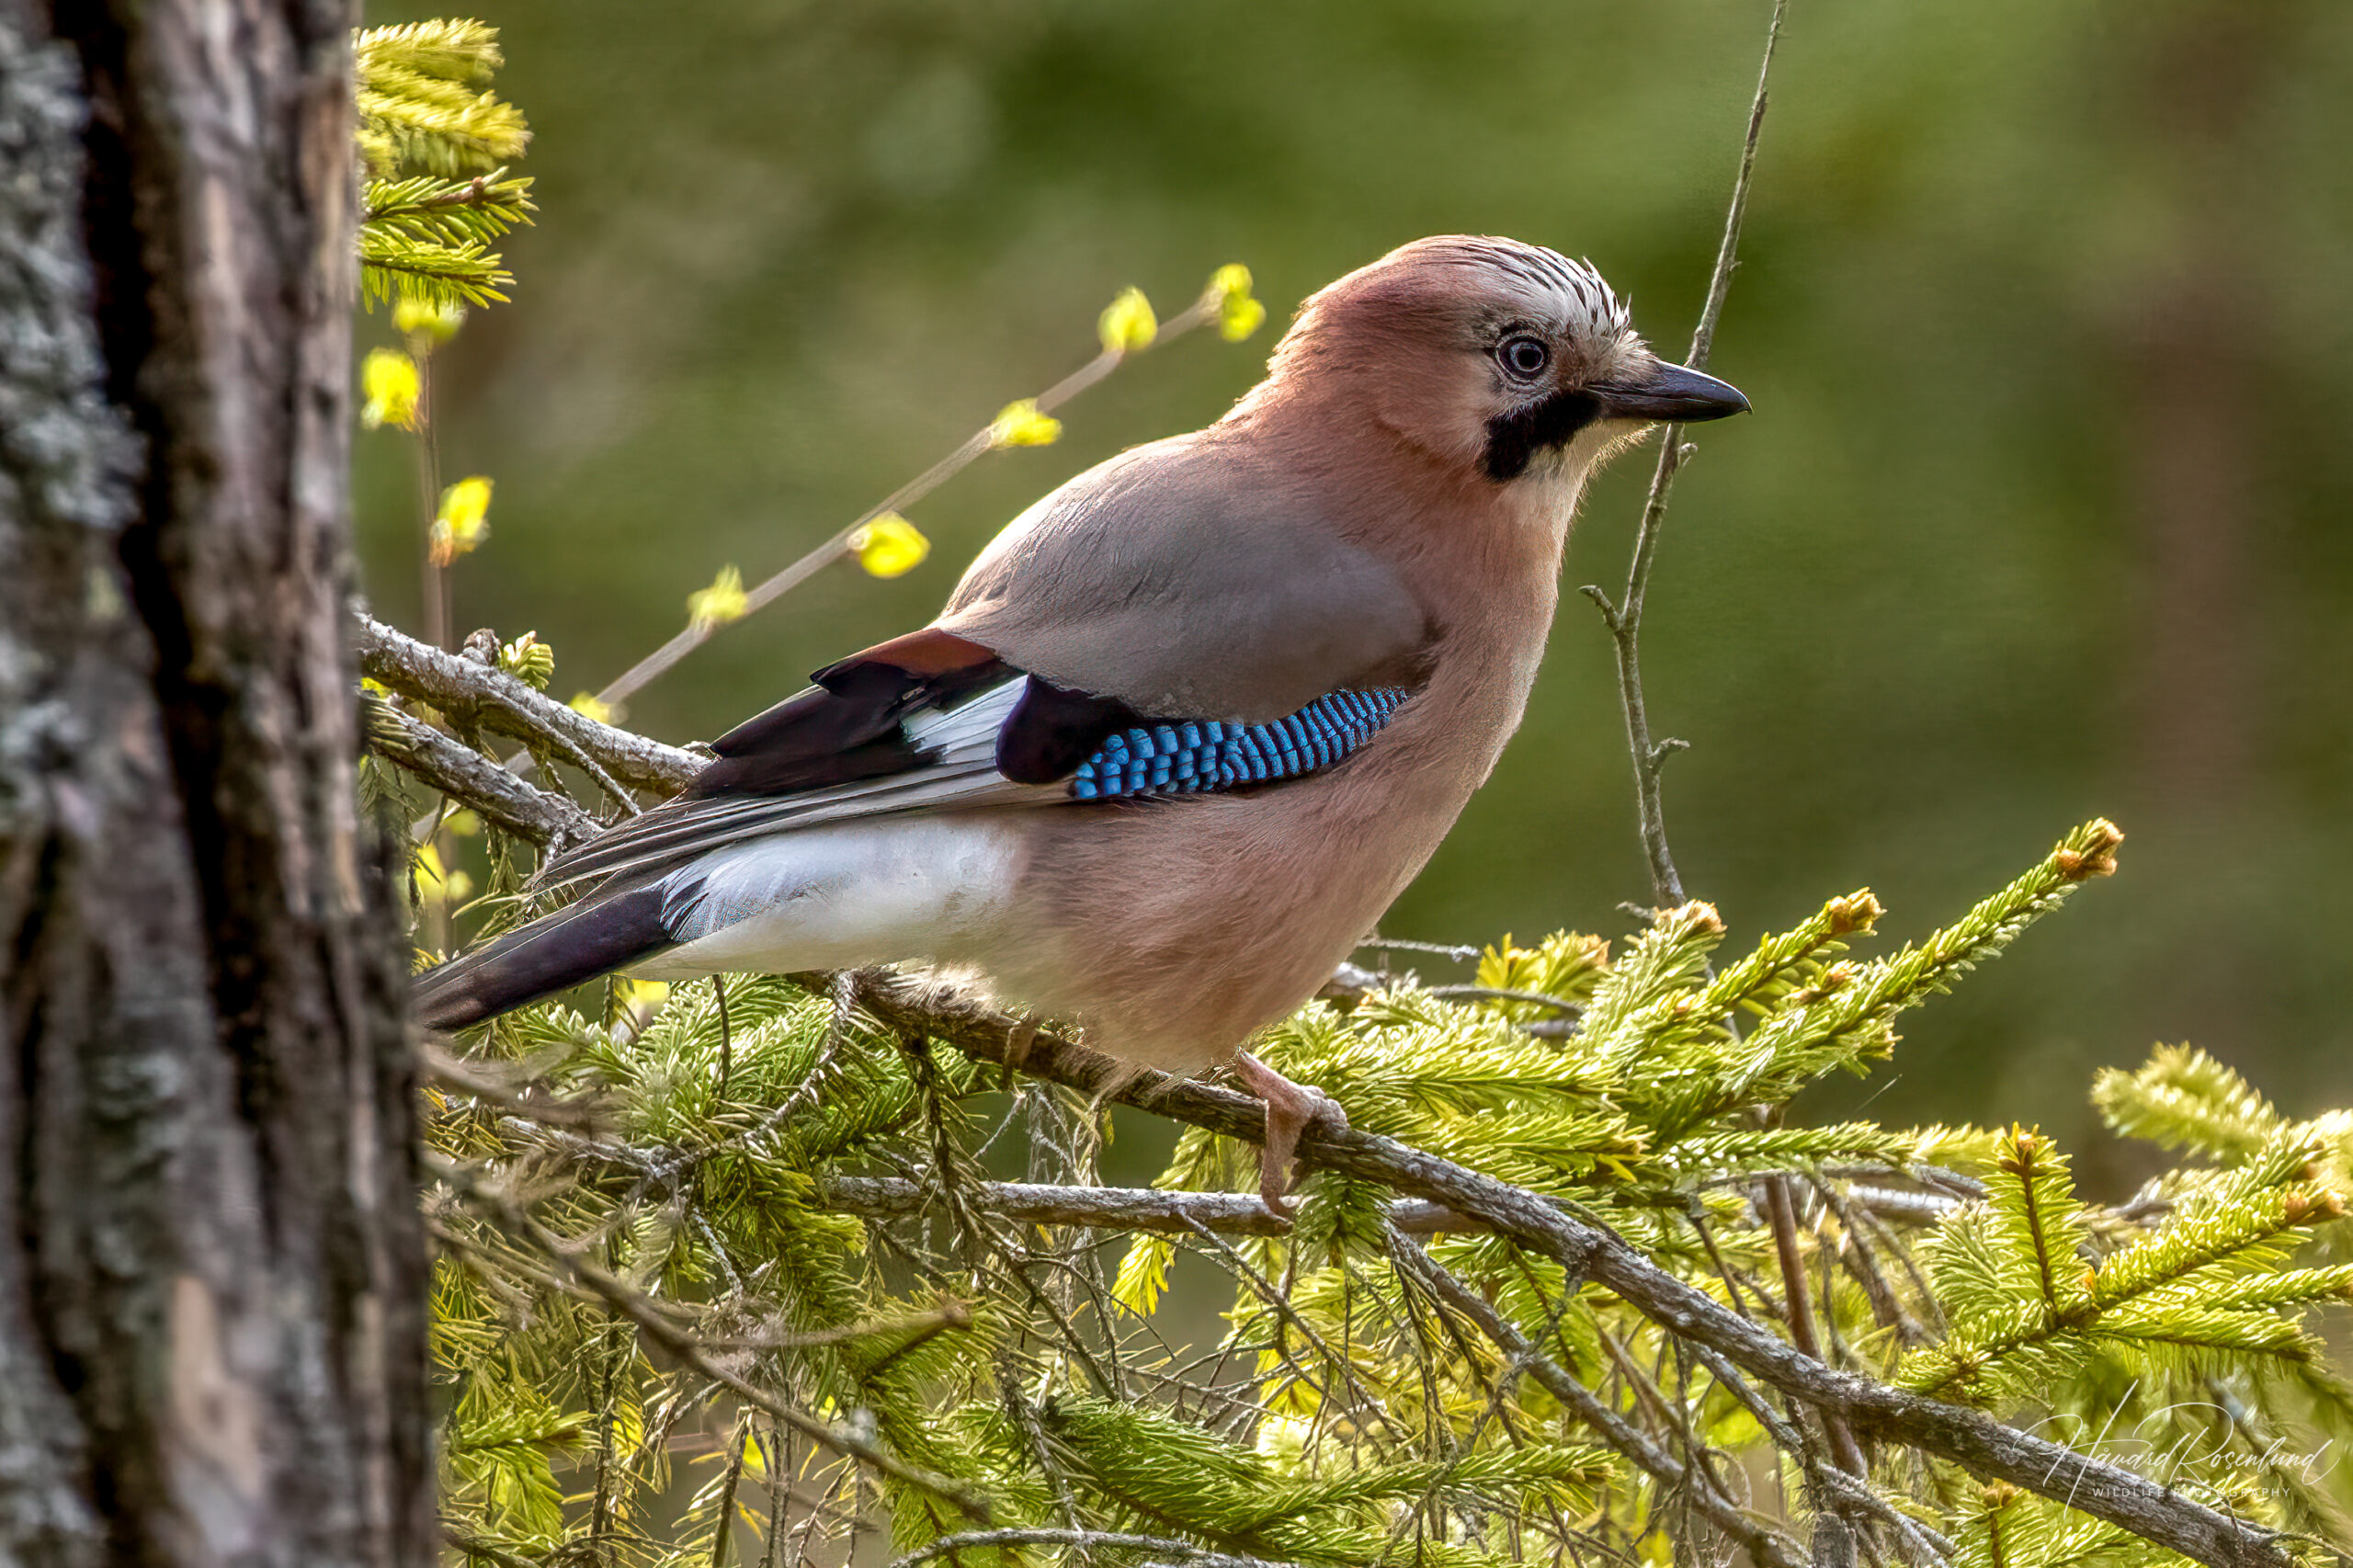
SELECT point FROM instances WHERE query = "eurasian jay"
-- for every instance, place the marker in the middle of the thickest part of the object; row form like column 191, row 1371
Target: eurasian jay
column 1191, row 722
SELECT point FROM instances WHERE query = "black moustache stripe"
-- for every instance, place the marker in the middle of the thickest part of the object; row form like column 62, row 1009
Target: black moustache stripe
column 1515, row 438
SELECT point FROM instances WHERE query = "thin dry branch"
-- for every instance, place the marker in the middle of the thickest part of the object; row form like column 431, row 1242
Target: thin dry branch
column 499, row 702
column 775, row 587
column 1624, row 617
column 1765, row 1546
column 549, row 822
column 1122, row 1209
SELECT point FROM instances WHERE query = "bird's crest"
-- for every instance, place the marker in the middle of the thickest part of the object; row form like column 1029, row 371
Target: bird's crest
column 1589, row 303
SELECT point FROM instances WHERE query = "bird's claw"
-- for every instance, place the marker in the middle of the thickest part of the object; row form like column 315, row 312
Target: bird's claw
column 1291, row 1110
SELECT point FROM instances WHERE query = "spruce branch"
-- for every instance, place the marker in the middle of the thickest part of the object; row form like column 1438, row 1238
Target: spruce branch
column 569, row 1273
column 2184, row 1100
column 435, row 142
column 427, row 238
column 2207, row 1286
column 426, row 206
column 442, row 275
column 1949, row 1431
column 1764, row 977
column 1162, row 1471
column 1848, row 1014
column 422, row 91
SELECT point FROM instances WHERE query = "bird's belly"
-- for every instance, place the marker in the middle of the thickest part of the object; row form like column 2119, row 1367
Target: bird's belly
column 860, row 892
column 1175, row 930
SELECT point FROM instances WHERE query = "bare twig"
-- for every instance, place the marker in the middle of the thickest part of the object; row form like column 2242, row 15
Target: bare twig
column 1850, row 1488
column 1455, row 950
column 549, row 820
column 492, row 1084
column 1108, row 1208
column 434, row 586
column 658, row 662
column 1624, row 617
column 1909, row 1207
column 1862, row 1262
column 507, row 706
column 723, row 1534
column 1279, row 1302
column 570, row 751
column 1781, row 1206
column 1503, row 994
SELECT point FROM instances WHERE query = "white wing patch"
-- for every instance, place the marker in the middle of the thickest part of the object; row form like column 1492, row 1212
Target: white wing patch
column 962, row 773
column 835, row 896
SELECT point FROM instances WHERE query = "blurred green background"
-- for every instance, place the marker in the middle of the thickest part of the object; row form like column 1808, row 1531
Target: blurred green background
column 2043, row 513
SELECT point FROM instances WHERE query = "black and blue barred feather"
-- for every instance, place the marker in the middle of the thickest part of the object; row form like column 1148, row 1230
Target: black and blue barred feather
column 1186, row 758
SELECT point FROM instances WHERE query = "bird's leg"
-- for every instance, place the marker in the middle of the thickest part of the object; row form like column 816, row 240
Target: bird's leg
column 1291, row 1108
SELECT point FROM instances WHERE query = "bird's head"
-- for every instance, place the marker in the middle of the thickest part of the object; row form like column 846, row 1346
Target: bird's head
column 1505, row 358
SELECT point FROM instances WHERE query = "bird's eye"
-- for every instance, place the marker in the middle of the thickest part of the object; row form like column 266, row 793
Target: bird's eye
column 1525, row 357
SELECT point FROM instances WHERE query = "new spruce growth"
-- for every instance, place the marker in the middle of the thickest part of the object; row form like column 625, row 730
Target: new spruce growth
column 435, row 142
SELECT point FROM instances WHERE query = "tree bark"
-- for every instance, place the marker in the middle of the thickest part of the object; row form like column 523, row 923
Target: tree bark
column 211, row 1269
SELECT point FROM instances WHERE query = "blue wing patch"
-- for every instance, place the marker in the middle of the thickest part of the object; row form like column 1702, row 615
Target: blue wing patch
column 1187, row 759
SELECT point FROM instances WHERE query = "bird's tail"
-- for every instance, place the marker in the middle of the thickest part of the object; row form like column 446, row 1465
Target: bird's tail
column 598, row 935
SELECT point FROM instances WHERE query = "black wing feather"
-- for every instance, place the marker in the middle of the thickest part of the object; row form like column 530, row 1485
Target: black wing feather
column 845, row 728
column 1052, row 730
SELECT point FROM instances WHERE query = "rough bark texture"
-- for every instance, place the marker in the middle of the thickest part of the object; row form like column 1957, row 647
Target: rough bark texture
column 211, row 1272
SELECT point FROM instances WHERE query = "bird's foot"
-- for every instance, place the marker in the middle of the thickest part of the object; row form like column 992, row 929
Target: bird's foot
column 1018, row 1044
column 1291, row 1110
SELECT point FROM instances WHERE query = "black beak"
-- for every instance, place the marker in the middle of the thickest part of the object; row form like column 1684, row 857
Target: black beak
column 1669, row 395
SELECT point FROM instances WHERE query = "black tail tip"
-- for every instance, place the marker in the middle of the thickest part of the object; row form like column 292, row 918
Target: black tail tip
column 441, row 1000
column 551, row 955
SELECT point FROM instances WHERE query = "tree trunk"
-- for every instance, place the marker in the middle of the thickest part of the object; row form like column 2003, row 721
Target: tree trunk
column 212, row 1271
